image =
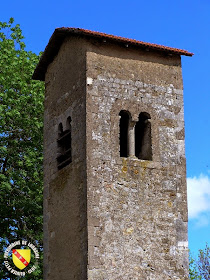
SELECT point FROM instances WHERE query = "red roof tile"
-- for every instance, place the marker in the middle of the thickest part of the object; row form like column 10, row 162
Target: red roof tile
column 60, row 34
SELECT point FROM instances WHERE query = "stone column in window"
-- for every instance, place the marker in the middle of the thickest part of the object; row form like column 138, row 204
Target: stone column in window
column 131, row 138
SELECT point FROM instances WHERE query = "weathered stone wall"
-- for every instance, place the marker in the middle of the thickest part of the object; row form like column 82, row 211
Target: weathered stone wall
column 65, row 214
column 137, row 209
column 107, row 217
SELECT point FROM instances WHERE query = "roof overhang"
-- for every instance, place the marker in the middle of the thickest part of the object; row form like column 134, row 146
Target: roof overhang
column 60, row 34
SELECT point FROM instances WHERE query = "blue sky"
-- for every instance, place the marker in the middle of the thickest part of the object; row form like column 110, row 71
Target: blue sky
column 183, row 24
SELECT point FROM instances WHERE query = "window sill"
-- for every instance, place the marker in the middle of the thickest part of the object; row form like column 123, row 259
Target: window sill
column 133, row 160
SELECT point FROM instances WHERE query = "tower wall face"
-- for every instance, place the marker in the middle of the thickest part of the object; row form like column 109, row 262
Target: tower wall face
column 137, row 209
column 108, row 217
column 65, row 213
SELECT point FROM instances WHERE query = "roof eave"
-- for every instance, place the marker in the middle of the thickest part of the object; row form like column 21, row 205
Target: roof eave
column 60, row 34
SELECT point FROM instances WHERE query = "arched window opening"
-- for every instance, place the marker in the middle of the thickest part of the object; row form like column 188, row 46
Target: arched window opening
column 64, row 145
column 68, row 123
column 124, row 122
column 60, row 129
column 143, row 141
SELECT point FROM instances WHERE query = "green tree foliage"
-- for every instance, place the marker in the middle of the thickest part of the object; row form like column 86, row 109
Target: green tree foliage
column 21, row 125
column 193, row 269
column 204, row 263
column 200, row 268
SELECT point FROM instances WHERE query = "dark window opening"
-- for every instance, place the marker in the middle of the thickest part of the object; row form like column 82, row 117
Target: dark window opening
column 143, row 141
column 124, row 122
column 64, row 145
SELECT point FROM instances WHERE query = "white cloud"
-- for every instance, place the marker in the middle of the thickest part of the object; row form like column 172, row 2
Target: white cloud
column 199, row 199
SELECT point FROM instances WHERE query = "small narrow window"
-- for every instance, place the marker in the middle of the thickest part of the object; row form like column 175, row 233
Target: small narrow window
column 64, row 145
column 143, row 141
column 124, row 122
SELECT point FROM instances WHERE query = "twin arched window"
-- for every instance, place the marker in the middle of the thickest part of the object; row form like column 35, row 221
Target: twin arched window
column 135, row 137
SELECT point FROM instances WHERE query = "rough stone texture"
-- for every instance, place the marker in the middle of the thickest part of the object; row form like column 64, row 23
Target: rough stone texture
column 65, row 206
column 107, row 217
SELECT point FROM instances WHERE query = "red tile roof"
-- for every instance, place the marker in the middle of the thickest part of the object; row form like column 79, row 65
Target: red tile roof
column 60, row 34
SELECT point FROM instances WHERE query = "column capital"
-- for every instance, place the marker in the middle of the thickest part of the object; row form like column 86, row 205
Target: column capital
column 132, row 123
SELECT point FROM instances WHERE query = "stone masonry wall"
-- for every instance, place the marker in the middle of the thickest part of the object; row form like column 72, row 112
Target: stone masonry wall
column 107, row 217
column 137, row 209
column 65, row 213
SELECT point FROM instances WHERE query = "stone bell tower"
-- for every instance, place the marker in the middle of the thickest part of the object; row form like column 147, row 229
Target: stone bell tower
column 115, row 202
